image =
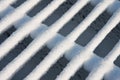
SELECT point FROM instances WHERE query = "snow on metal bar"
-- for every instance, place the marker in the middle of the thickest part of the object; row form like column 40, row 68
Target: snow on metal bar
column 84, row 55
column 20, row 22
column 112, row 8
column 4, row 4
column 55, row 28
column 24, row 30
column 59, row 50
column 105, row 65
column 72, row 52
column 114, row 20
column 106, row 62
column 16, row 15
column 33, row 47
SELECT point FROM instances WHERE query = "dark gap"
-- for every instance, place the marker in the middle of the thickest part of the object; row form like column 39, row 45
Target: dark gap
column 31, row 64
column 76, row 20
column 72, row 1
column 6, row 34
column 18, row 3
column 108, row 43
column 38, row 7
column 57, row 13
column 103, row 78
column 93, row 29
column 14, row 52
column 116, row 31
column 55, row 69
column 117, row 62
column 81, row 74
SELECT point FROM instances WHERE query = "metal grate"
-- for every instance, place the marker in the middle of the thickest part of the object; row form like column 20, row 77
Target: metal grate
column 43, row 35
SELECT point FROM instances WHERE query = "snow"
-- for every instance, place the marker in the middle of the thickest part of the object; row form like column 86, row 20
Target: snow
column 16, row 15
column 78, row 60
column 18, row 35
column 105, row 65
column 23, row 31
column 49, row 34
column 70, row 54
column 4, row 4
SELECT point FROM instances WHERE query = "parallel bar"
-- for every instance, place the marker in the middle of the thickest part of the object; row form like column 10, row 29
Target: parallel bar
column 34, row 46
column 111, row 9
column 18, row 24
column 114, row 20
column 4, row 4
column 70, row 54
column 66, row 44
column 28, row 27
column 16, row 15
column 85, row 55
column 20, row 34
column 102, row 66
column 105, row 65
column 52, row 32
